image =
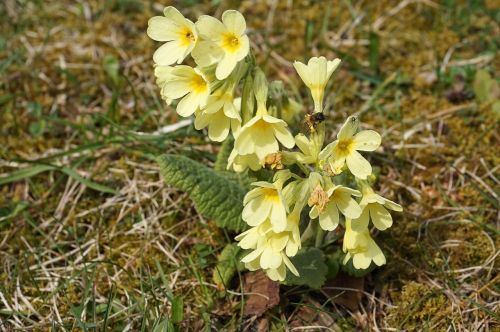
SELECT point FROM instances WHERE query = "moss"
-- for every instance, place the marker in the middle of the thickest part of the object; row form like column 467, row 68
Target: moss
column 418, row 307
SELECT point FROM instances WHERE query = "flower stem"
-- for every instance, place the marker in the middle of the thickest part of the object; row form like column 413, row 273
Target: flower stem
column 320, row 234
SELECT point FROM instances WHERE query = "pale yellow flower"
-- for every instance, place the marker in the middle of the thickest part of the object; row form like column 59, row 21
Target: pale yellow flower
column 265, row 202
column 239, row 162
column 224, row 43
column 183, row 82
column 360, row 246
column 261, row 134
column 345, row 149
column 178, row 32
column 315, row 75
column 220, row 114
column 309, row 149
column 271, row 250
column 375, row 206
column 338, row 199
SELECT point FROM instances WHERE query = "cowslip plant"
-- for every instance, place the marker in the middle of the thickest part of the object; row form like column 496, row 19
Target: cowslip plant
column 295, row 199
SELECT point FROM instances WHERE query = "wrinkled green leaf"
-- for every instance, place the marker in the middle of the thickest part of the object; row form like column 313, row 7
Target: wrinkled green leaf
column 215, row 196
column 310, row 262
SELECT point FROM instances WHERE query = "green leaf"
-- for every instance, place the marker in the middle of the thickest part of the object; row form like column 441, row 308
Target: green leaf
column 96, row 186
column 25, row 173
column 243, row 179
column 37, row 128
column 373, row 56
column 310, row 262
column 111, row 66
column 177, row 309
column 333, row 261
column 354, row 272
column 227, row 265
column 484, row 86
column 34, row 170
column 247, row 98
column 215, row 196
column 165, row 325
column 496, row 109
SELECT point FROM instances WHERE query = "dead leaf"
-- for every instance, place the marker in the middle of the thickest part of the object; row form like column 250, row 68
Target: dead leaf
column 312, row 313
column 458, row 93
column 345, row 290
column 425, row 79
column 264, row 293
column 263, row 325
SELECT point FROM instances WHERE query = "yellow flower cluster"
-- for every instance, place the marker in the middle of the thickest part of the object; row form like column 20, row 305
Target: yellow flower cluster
column 218, row 49
column 315, row 177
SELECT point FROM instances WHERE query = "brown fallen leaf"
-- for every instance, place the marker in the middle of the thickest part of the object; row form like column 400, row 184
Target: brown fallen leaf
column 263, row 324
column 345, row 290
column 458, row 93
column 312, row 313
column 264, row 293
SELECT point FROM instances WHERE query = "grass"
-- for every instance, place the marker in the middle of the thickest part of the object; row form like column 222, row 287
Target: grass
column 92, row 240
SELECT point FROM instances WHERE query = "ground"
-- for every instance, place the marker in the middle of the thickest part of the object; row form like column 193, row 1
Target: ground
column 92, row 239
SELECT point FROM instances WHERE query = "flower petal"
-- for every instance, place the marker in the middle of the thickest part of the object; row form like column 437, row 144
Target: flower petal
column 209, row 27
column 256, row 211
column 270, row 259
column 278, row 274
column 290, row 266
column 358, row 165
column 234, row 21
column 226, row 66
column 349, row 128
column 329, row 220
column 303, row 72
column 253, row 255
column 206, row 53
column 331, row 66
column 161, row 28
column 361, row 261
column 376, row 253
column 174, row 15
column 265, row 142
column 392, row 205
column 243, row 49
column 347, row 205
column 366, row 140
column 249, row 241
column 284, row 136
column 218, row 129
column 314, row 212
column 381, row 218
column 361, row 224
column 169, row 53
column 278, row 241
column 278, row 216
column 176, row 88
